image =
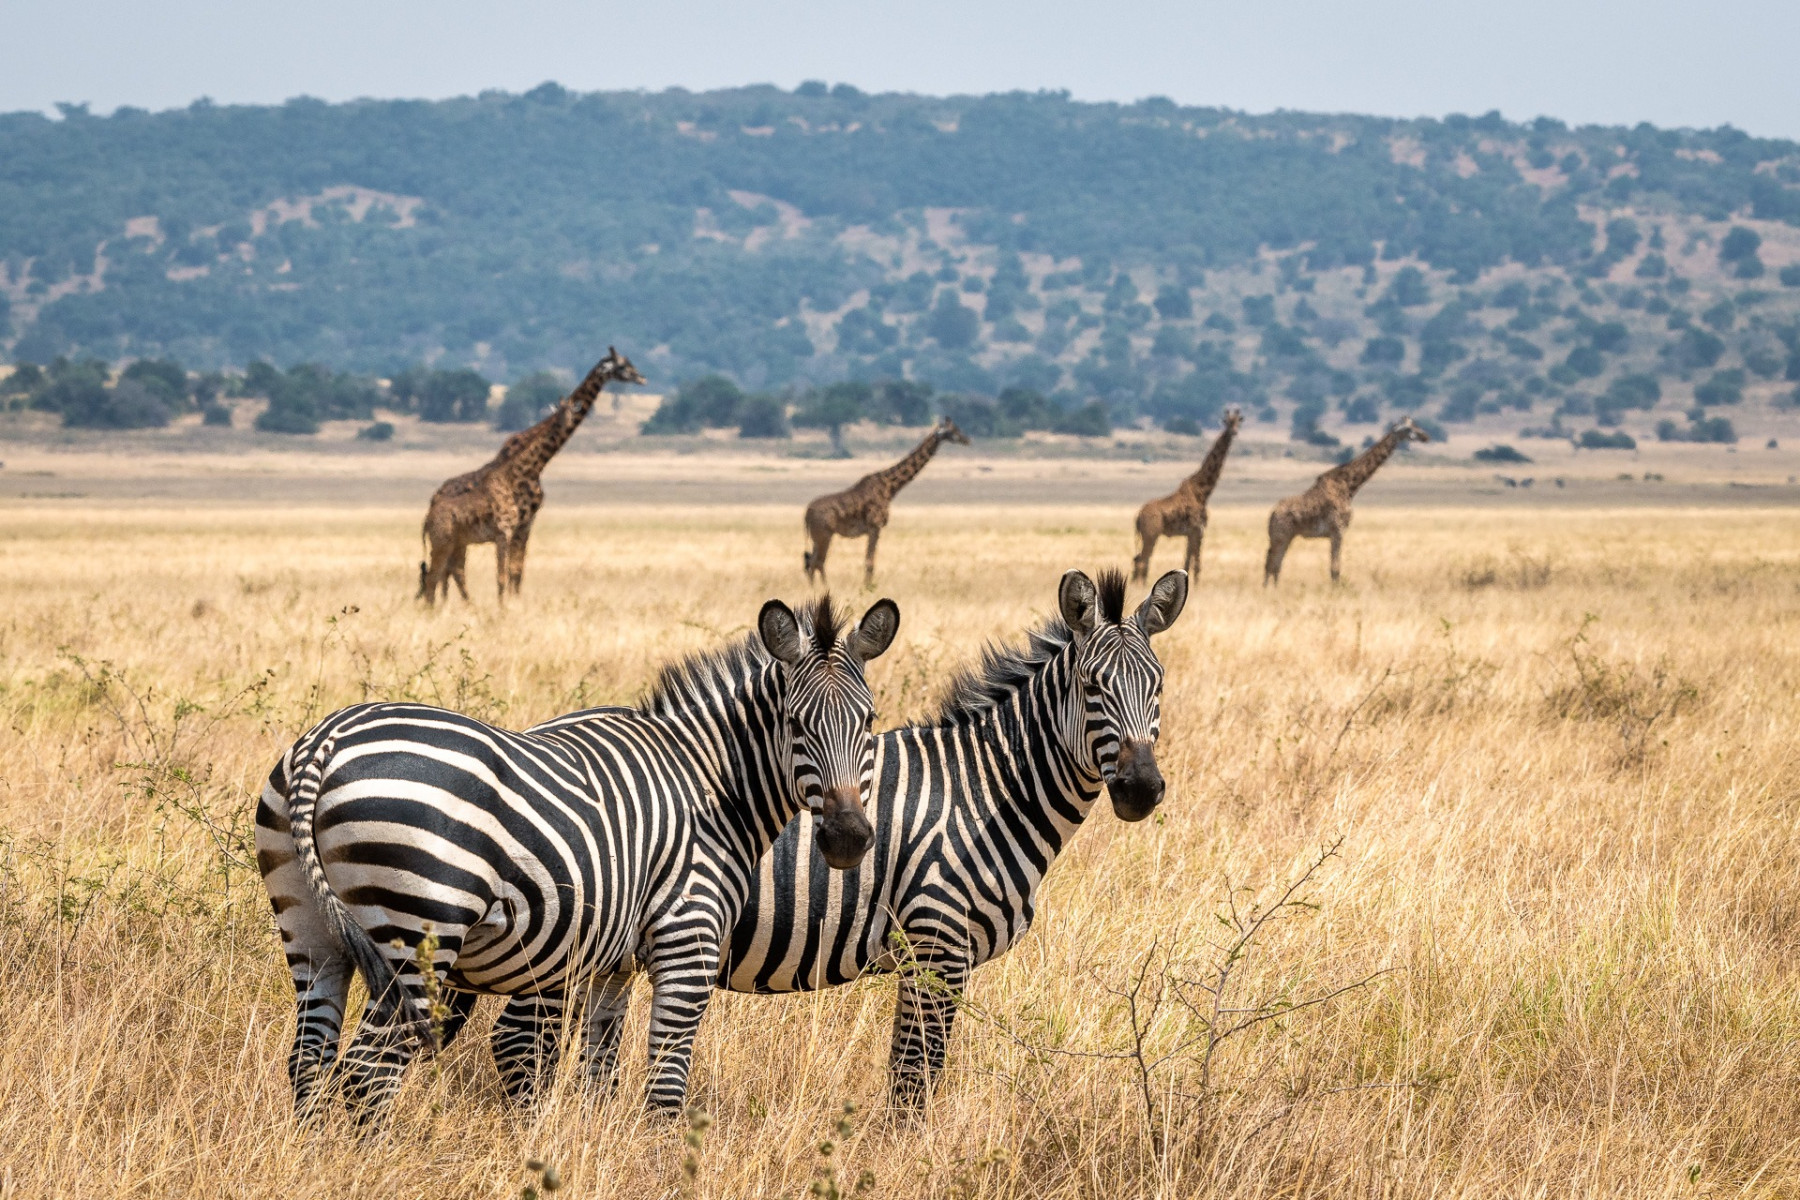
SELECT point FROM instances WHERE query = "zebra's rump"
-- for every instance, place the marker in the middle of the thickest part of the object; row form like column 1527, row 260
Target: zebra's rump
column 533, row 857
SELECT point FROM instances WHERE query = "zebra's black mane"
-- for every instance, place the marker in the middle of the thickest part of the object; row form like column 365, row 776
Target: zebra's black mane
column 1111, row 586
column 1003, row 670
column 826, row 621
column 1001, row 673
column 737, row 660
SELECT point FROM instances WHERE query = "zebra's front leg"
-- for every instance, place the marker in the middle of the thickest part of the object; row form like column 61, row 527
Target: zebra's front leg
column 923, row 1018
column 527, row 1044
column 683, row 971
column 603, row 1020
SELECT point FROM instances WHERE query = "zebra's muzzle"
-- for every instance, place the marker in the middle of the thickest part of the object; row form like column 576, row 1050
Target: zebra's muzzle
column 1136, row 786
column 842, row 829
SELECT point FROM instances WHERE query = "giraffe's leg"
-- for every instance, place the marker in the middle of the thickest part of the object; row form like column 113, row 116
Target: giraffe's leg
column 459, row 565
column 869, row 558
column 515, row 559
column 502, row 563
column 1193, row 555
column 1278, row 546
column 602, row 1023
column 431, row 577
column 527, row 1042
column 1140, row 566
column 815, row 560
column 1337, row 547
column 923, row 1017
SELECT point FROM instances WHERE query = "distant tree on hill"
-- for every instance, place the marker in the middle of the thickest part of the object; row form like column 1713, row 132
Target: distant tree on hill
column 710, row 402
column 1408, row 288
column 762, row 416
column 1174, row 303
column 528, row 400
column 1259, row 310
column 833, row 407
column 901, row 402
column 1383, row 351
column 954, row 325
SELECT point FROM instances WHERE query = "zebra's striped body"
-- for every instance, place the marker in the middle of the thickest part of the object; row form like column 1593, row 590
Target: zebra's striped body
column 972, row 810
column 548, row 865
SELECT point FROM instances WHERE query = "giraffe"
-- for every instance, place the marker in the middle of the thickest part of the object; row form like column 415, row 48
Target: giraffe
column 1183, row 512
column 498, row 502
column 863, row 508
column 1323, row 510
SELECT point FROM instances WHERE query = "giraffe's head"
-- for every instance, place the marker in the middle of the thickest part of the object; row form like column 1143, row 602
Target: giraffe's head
column 1409, row 430
column 1233, row 418
column 1121, row 682
column 829, row 715
column 617, row 367
column 948, row 431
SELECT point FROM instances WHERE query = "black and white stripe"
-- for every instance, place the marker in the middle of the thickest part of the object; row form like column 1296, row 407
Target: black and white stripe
column 550, row 865
column 972, row 809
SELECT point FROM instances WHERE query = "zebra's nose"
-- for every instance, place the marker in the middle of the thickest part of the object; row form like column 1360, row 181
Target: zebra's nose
column 1136, row 787
column 843, row 831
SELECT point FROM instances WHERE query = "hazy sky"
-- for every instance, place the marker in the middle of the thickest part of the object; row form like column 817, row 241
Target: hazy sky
column 1671, row 62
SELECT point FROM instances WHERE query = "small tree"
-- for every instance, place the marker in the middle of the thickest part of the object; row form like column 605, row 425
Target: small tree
column 952, row 323
column 762, row 416
column 831, row 408
column 1409, row 289
column 1739, row 244
column 455, row 395
column 1383, row 352
column 1174, row 303
column 528, row 400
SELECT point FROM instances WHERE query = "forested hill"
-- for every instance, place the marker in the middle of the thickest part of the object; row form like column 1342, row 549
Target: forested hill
column 811, row 235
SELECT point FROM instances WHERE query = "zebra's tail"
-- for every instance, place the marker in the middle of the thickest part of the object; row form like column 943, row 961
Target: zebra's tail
column 394, row 1006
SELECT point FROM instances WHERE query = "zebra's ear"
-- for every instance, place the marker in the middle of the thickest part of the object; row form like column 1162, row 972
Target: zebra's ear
column 1079, row 601
column 875, row 632
column 780, row 632
column 1163, row 604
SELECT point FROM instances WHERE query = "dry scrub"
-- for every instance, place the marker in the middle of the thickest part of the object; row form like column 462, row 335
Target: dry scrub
column 1553, row 952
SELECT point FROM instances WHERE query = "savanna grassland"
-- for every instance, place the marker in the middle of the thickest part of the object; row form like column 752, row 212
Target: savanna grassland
column 1554, row 953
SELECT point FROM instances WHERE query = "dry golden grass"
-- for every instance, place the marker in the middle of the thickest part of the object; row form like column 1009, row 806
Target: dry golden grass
column 1568, row 849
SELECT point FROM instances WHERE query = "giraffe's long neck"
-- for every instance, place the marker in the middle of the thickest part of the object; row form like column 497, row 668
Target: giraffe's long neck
column 530, row 449
column 1202, row 482
column 902, row 472
column 1356, row 472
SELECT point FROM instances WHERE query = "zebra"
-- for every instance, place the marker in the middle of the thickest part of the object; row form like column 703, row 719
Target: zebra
column 973, row 806
column 548, row 866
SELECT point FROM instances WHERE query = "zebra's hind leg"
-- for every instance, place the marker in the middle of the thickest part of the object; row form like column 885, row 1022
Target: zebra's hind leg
column 603, row 1021
column 527, row 1042
column 374, row 1066
column 922, row 1021
column 319, row 1002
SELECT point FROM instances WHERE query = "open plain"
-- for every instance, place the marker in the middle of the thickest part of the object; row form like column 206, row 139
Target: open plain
column 1550, row 732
